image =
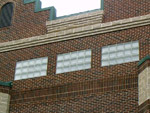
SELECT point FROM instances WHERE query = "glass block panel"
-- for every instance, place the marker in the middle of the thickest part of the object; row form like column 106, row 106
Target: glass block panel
column 105, row 56
column 120, row 53
column 105, row 50
column 81, row 54
column 120, row 47
column 87, row 66
column 81, row 60
column 119, row 60
column 135, row 51
column 112, row 62
column 135, row 44
column 112, row 55
column 73, row 61
column 31, row 68
column 87, row 59
column 128, row 45
column 112, row 48
column 59, row 58
column 105, row 63
column 127, row 52
column 127, row 59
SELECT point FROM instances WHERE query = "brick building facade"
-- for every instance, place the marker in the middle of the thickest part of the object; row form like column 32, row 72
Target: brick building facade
column 93, row 62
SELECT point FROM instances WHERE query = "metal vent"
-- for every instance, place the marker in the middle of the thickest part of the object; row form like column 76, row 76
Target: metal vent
column 6, row 15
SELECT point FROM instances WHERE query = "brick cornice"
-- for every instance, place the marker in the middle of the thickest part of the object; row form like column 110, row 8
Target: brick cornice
column 78, row 32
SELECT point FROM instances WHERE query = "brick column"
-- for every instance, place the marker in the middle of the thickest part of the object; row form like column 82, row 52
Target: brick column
column 144, row 85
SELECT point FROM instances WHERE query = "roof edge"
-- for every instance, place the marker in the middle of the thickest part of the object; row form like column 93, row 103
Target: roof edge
column 52, row 9
column 38, row 8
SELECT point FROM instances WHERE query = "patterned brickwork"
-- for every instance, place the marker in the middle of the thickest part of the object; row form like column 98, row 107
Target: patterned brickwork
column 123, row 101
column 25, row 22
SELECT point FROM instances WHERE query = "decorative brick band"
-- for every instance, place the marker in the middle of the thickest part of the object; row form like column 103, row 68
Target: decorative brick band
column 75, row 89
column 74, row 33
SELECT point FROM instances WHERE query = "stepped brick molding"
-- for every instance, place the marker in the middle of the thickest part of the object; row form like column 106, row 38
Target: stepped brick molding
column 94, row 17
column 76, row 33
column 4, row 102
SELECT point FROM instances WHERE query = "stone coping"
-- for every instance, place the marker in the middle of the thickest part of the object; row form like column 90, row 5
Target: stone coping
column 76, row 21
column 79, row 32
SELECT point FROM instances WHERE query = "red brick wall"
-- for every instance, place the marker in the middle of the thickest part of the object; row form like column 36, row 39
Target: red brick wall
column 24, row 90
column 118, row 96
column 25, row 22
column 120, row 9
column 123, row 101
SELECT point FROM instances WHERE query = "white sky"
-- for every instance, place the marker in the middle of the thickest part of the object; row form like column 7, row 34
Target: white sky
column 66, row 7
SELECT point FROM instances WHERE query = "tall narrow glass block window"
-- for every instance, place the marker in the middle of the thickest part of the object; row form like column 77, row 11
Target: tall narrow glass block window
column 31, row 68
column 6, row 13
column 120, row 53
column 73, row 61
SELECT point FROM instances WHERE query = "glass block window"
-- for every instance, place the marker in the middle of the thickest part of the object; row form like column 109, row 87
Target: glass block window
column 31, row 68
column 120, row 53
column 73, row 61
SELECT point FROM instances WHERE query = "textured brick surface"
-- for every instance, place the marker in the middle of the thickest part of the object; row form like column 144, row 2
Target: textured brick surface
column 96, row 72
column 117, row 90
column 109, row 102
column 120, row 9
